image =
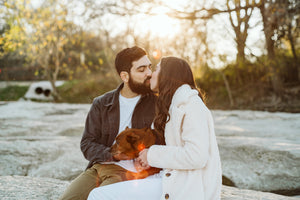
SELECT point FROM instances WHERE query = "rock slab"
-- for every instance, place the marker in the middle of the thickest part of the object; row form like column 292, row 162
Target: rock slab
column 33, row 188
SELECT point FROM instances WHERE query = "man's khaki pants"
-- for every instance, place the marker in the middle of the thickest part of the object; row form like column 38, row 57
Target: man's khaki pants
column 97, row 175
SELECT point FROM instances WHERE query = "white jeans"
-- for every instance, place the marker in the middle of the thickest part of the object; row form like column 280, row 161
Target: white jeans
column 146, row 189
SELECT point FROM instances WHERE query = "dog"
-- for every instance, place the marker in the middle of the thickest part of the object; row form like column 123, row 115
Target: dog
column 131, row 142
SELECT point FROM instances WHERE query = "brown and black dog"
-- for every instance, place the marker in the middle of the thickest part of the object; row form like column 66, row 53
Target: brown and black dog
column 131, row 142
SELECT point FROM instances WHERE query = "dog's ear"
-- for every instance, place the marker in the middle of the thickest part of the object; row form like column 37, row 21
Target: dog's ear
column 132, row 138
column 126, row 128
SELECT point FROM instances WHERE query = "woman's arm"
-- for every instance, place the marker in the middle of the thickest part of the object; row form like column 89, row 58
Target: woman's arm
column 194, row 152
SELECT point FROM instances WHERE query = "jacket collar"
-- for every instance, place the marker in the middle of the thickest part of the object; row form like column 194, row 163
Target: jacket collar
column 115, row 96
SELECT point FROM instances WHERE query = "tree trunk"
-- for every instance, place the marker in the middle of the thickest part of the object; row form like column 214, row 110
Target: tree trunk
column 227, row 88
column 241, row 31
column 54, row 76
column 240, row 59
column 241, row 52
column 269, row 28
column 291, row 40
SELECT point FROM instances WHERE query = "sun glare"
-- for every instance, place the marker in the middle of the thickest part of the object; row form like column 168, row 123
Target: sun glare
column 156, row 54
column 160, row 25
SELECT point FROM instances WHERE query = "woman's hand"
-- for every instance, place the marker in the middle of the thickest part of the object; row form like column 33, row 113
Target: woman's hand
column 138, row 166
column 142, row 159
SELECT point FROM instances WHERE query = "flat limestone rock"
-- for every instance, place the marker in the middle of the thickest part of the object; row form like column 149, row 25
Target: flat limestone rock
column 232, row 193
column 260, row 150
column 25, row 187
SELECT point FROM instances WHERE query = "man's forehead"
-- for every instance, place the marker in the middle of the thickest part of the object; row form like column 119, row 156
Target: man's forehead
column 141, row 62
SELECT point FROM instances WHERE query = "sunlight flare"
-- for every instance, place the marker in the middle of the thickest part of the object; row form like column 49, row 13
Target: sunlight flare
column 156, row 54
column 160, row 25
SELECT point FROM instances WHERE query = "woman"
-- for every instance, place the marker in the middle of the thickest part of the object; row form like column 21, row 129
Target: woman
column 190, row 159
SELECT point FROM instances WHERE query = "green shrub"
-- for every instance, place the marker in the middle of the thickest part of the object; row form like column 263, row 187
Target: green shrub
column 84, row 91
column 12, row 93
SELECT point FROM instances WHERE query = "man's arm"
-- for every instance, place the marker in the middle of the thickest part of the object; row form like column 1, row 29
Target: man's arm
column 92, row 142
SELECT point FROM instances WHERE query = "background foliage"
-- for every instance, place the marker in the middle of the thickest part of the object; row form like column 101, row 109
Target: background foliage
column 77, row 41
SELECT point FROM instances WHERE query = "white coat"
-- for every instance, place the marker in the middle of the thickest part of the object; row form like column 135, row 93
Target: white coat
column 190, row 159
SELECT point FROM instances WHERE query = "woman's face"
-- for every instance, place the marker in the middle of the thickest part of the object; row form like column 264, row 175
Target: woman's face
column 154, row 79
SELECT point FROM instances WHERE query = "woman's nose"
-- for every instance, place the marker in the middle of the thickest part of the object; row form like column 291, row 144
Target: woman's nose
column 149, row 72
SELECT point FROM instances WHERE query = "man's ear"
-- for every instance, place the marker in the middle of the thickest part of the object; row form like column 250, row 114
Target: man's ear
column 124, row 76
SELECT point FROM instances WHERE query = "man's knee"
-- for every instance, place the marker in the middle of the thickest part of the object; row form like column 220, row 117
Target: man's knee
column 82, row 185
column 112, row 179
column 110, row 173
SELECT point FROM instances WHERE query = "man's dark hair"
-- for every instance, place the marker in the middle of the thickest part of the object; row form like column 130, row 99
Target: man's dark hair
column 124, row 58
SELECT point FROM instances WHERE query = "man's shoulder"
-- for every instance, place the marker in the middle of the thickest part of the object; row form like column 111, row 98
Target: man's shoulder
column 108, row 98
column 105, row 98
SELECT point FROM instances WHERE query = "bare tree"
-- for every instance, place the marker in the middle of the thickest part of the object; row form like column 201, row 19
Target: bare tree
column 239, row 20
column 288, row 20
column 267, row 8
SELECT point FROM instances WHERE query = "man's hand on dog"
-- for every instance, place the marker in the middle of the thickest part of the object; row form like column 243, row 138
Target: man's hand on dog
column 142, row 159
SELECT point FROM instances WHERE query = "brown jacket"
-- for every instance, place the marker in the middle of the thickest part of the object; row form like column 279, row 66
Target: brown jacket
column 102, row 124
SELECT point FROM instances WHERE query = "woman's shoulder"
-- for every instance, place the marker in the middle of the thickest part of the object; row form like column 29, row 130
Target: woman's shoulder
column 183, row 95
column 188, row 100
column 186, row 95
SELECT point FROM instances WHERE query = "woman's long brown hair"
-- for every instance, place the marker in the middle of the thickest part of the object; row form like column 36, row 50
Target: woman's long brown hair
column 174, row 72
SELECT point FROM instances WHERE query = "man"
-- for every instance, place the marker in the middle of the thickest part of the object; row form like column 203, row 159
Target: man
column 132, row 104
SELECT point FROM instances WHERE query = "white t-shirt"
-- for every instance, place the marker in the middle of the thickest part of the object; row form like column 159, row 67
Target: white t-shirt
column 127, row 106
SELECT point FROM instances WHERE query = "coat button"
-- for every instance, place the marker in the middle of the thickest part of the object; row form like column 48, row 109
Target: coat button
column 168, row 174
column 166, row 196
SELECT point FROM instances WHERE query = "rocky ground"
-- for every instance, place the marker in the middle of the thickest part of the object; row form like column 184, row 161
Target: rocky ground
column 25, row 187
column 40, row 154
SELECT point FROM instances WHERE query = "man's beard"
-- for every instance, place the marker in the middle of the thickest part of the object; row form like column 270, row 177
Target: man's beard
column 139, row 88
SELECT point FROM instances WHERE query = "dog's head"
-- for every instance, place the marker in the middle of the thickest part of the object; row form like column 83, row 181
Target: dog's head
column 131, row 141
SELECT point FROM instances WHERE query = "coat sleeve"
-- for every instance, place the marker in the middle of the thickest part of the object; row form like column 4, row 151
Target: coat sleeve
column 91, row 145
column 194, row 135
